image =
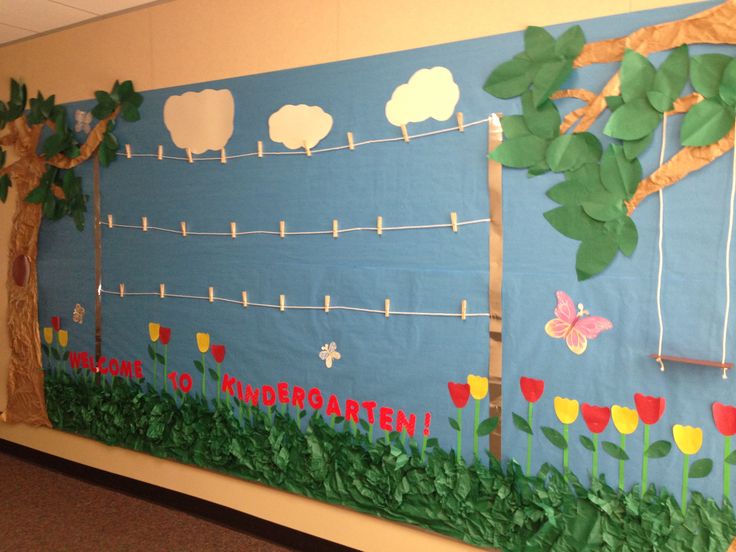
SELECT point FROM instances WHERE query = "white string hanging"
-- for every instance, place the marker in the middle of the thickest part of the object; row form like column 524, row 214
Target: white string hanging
column 728, row 258
column 659, row 247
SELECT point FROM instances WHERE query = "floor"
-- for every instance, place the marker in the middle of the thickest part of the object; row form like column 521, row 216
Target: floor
column 43, row 510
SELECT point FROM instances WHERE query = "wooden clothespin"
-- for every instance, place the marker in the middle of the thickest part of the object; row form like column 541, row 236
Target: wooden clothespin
column 307, row 149
column 351, row 144
column 233, row 230
column 211, row 293
column 405, row 133
column 453, row 221
column 160, row 154
column 122, row 290
column 189, row 155
column 282, row 229
column 282, row 302
column 379, row 225
column 183, row 229
column 162, row 290
column 460, row 122
column 109, row 221
column 260, row 148
column 223, row 156
column 463, row 309
column 387, row 307
column 327, row 303
column 128, row 153
column 245, row 299
column 335, row 229
column 144, row 223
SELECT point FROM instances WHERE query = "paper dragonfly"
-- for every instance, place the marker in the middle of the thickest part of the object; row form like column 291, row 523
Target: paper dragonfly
column 329, row 353
column 82, row 121
column 574, row 326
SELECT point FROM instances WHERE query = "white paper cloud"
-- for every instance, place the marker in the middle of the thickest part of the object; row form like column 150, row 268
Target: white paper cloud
column 297, row 125
column 200, row 121
column 430, row 93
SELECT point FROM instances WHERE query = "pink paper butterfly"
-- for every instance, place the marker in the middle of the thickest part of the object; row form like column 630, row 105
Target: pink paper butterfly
column 570, row 324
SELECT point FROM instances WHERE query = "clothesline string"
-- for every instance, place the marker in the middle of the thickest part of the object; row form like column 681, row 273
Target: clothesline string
column 455, row 128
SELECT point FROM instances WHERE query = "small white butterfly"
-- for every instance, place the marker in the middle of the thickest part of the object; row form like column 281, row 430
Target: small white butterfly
column 78, row 314
column 82, row 119
column 329, row 353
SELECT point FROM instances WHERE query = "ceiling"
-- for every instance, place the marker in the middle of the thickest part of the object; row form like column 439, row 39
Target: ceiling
column 21, row 19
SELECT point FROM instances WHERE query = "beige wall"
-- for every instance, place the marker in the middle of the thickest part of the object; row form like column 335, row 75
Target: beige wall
column 187, row 41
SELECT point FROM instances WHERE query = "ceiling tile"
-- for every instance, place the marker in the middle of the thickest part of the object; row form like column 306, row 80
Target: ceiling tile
column 8, row 34
column 101, row 7
column 39, row 15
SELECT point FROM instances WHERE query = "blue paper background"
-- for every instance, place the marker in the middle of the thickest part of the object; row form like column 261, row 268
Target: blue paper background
column 402, row 362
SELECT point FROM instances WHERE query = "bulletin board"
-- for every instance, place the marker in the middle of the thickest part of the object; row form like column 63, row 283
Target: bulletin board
column 302, row 299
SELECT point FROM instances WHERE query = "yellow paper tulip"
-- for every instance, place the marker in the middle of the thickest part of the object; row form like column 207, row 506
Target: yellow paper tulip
column 153, row 330
column 478, row 386
column 566, row 409
column 203, row 342
column 625, row 419
column 48, row 335
column 689, row 439
column 63, row 338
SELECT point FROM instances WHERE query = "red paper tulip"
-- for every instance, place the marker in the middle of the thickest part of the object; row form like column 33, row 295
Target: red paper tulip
column 164, row 334
column 650, row 409
column 218, row 353
column 56, row 323
column 725, row 418
column 531, row 388
column 596, row 417
column 460, row 393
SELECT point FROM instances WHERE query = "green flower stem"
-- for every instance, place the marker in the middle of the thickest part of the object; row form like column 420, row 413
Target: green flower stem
column 726, row 468
column 476, row 421
column 282, row 408
column 155, row 364
column 683, row 494
column 645, row 460
column 386, row 436
column 621, row 465
column 566, row 450
column 370, row 433
column 403, row 437
column 529, row 440
column 332, row 421
column 219, row 384
column 240, row 411
column 595, row 455
column 458, row 451
column 299, row 417
column 270, row 413
column 166, row 365
column 204, row 378
column 424, row 447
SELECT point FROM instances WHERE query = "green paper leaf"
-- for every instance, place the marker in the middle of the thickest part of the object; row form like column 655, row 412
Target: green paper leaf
column 619, row 175
column 625, row 234
column 151, row 352
column 727, row 89
column 700, row 468
column 4, row 186
column 538, row 168
column 614, row 102
column 160, row 358
column 514, row 126
column 731, row 458
column 554, row 437
column 453, row 424
column 543, row 121
column 706, row 123
column 614, row 450
column 659, row 101
column 594, row 255
column 604, row 206
column 634, row 148
column 65, row 356
column 521, row 424
column 637, row 76
column 671, row 76
column 539, row 45
column 573, row 222
column 55, row 354
column 487, row 426
column 521, row 152
column 570, row 151
column 38, row 194
column 45, row 349
column 587, row 443
column 548, row 79
column 510, row 79
column 198, row 365
column 658, row 449
column 129, row 112
column 633, row 120
column 706, row 73
column 213, row 374
column 570, row 43
column 569, row 192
